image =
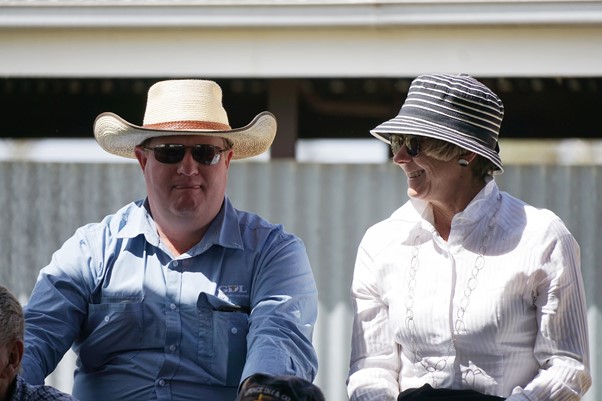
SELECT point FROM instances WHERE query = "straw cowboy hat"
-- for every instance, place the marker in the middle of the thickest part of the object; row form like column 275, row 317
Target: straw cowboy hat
column 454, row 108
column 184, row 107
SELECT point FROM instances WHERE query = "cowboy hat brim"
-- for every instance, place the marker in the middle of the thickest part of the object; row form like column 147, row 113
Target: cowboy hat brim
column 119, row 137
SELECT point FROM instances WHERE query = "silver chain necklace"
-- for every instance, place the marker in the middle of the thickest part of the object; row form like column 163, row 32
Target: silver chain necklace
column 471, row 284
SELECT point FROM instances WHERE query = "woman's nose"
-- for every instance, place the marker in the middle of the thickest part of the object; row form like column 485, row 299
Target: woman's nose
column 402, row 156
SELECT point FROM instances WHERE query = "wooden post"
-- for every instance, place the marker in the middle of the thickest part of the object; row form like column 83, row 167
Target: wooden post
column 283, row 103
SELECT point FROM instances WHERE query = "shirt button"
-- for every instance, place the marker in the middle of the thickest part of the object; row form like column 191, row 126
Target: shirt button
column 233, row 330
column 172, row 347
column 107, row 318
column 161, row 382
column 172, row 306
column 175, row 263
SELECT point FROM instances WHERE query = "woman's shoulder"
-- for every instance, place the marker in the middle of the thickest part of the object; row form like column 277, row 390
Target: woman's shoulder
column 395, row 228
column 516, row 213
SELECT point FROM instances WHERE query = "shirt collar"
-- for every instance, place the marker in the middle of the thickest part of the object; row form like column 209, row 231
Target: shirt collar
column 419, row 214
column 481, row 206
column 223, row 230
column 18, row 389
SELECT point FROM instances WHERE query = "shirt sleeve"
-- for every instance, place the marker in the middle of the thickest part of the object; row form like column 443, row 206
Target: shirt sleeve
column 284, row 308
column 561, row 347
column 56, row 309
column 375, row 361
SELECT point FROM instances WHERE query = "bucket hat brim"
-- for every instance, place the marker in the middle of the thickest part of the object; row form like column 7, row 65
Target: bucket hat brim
column 403, row 125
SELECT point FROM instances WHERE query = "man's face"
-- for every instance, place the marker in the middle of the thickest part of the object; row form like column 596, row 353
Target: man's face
column 186, row 191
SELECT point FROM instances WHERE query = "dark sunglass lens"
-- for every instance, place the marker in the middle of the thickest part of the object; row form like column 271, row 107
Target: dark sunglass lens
column 395, row 143
column 169, row 154
column 206, row 154
column 413, row 145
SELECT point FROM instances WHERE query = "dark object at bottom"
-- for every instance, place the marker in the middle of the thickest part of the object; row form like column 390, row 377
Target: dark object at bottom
column 261, row 387
column 427, row 393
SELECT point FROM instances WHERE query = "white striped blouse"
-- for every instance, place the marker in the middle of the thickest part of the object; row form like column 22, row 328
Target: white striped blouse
column 498, row 308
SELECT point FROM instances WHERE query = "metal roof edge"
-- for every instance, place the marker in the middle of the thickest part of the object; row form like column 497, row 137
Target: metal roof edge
column 292, row 14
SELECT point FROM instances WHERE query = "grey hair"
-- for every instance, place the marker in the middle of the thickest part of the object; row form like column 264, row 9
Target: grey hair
column 12, row 324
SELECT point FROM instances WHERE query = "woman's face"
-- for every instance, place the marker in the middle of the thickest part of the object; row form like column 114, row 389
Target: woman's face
column 429, row 179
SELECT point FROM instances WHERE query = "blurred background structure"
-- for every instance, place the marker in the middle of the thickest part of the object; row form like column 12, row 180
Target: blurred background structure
column 329, row 71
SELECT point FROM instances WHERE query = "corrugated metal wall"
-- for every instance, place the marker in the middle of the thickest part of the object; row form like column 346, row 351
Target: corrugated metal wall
column 329, row 206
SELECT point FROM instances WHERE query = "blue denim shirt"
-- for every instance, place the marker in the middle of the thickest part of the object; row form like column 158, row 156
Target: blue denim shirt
column 147, row 326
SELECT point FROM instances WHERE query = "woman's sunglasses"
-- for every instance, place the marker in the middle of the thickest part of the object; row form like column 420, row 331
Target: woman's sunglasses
column 412, row 144
column 171, row 153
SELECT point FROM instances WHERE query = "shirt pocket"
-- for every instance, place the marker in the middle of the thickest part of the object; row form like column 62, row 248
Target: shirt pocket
column 223, row 330
column 114, row 327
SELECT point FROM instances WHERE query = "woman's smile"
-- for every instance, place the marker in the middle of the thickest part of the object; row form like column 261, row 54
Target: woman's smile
column 414, row 174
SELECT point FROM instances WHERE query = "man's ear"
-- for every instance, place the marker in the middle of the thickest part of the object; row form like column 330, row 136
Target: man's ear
column 229, row 158
column 14, row 353
column 141, row 155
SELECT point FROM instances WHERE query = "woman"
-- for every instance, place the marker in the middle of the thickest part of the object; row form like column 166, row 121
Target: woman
column 464, row 287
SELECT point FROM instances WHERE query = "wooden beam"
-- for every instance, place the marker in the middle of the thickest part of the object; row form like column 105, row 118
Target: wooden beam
column 283, row 102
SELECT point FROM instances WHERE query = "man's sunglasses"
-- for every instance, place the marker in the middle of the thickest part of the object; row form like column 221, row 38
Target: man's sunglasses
column 171, row 153
column 411, row 142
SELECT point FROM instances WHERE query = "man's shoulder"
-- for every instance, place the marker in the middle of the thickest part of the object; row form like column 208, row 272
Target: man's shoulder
column 28, row 392
column 252, row 224
column 131, row 213
column 254, row 220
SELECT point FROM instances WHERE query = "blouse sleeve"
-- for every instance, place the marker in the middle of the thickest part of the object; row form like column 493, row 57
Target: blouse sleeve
column 561, row 347
column 375, row 361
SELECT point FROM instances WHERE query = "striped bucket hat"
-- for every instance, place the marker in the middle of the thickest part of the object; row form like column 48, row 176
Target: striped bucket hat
column 454, row 108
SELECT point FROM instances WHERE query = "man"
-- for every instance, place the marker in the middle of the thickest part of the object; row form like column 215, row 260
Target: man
column 179, row 296
column 12, row 386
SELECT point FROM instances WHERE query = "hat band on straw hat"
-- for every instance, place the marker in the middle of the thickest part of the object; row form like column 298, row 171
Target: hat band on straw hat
column 188, row 124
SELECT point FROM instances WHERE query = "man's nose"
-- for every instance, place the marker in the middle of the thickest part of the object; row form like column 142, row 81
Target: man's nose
column 188, row 166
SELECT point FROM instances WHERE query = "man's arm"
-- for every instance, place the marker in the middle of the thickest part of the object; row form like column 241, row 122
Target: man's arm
column 56, row 309
column 284, row 307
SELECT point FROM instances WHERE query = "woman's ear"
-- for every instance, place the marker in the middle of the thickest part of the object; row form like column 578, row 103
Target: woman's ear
column 467, row 158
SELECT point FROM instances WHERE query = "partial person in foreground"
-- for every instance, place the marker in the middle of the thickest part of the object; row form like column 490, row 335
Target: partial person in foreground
column 465, row 292
column 177, row 296
column 12, row 386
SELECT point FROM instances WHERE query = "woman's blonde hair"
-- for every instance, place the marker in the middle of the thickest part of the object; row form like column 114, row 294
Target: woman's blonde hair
column 446, row 151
